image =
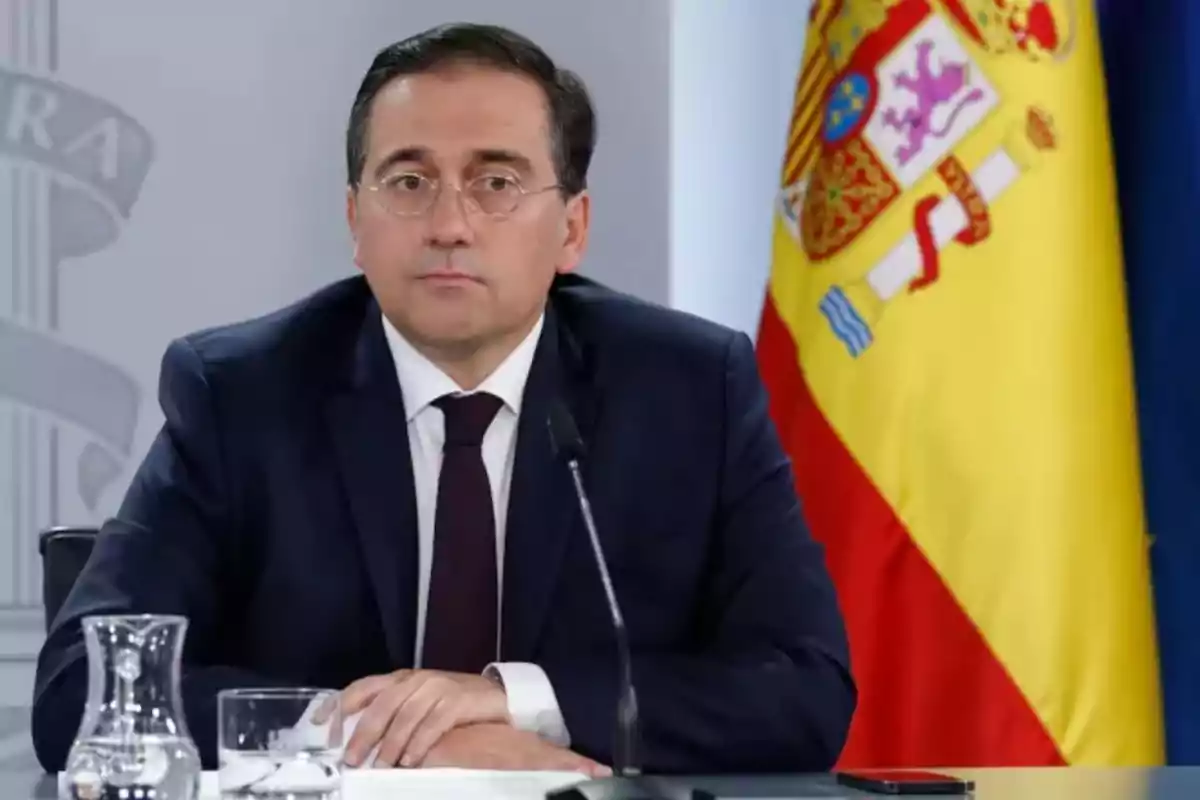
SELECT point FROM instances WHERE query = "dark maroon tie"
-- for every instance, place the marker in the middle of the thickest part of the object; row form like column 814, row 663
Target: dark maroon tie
column 460, row 619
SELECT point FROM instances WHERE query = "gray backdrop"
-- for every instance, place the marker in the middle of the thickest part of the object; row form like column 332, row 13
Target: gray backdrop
column 166, row 166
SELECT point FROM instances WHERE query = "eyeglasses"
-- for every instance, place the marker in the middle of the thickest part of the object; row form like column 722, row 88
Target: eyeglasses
column 410, row 194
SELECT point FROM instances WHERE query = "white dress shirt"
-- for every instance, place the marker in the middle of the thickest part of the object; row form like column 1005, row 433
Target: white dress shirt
column 532, row 703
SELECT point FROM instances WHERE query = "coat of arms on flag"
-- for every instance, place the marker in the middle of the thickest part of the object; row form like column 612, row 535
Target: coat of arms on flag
column 903, row 99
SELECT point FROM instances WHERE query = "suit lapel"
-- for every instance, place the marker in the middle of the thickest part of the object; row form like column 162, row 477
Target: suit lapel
column 543, row 512
column 367, row 422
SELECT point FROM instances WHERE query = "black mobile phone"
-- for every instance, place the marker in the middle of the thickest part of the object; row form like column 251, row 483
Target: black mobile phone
column 904, row 781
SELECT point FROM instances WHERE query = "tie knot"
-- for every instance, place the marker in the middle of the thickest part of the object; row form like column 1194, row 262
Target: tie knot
column 468, row 416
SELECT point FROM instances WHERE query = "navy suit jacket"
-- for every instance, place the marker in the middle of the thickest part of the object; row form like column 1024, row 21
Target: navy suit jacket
column 276, row 510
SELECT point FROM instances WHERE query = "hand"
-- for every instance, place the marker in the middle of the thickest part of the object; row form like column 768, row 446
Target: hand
column 498, row 746
column 408, row 711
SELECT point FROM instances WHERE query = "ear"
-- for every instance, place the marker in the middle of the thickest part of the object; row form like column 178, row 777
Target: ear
column 352, row 219
column 575, row 232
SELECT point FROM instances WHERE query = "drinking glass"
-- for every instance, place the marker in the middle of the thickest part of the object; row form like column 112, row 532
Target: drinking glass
column 280, row 743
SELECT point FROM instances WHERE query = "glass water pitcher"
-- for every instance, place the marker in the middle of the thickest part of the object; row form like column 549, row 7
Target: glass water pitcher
column 133, row 742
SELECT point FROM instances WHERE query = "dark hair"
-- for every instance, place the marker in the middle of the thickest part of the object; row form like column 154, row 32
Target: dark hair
column 572, row 119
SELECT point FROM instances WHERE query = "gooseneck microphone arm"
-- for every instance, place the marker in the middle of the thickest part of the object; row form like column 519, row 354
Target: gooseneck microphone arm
column 569, row 447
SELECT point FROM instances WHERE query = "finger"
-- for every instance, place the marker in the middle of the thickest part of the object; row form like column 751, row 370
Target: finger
column 377, row 718
column 570, row 761
column 414, row 711
column 445, row 715
column 327, row 707
column 355, row 691
column 462, row 705
column 359, row 694
column 328, row 704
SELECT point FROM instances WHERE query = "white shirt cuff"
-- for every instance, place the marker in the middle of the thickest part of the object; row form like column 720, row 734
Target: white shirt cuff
column 532, row 704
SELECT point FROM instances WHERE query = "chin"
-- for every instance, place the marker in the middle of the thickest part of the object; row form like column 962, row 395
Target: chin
column 441, row 320
column 447, row 333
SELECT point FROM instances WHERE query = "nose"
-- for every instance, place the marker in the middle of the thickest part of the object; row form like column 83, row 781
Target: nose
column 448, row 225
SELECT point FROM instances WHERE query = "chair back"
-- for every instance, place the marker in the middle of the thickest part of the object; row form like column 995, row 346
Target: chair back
column 64, row 551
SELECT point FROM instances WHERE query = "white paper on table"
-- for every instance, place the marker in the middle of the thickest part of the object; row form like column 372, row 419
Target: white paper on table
column 435, row 784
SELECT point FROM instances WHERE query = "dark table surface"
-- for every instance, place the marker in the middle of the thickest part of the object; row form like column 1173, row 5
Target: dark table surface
column 1080, row 783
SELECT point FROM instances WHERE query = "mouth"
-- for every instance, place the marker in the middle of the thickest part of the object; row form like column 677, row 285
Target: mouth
column 447, row 276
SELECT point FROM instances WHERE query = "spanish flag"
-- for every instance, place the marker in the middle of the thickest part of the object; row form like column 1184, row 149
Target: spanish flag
column 946, row 350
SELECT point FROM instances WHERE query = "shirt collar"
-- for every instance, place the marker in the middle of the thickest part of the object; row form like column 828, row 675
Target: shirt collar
column 422, row 381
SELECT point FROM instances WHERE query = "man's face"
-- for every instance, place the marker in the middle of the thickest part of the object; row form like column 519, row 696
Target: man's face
column 455, row 278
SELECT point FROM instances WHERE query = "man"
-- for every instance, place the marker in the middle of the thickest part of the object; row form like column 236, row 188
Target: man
column 360, row 491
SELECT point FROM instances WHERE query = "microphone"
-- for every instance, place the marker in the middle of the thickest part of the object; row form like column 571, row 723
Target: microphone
column 627, row 782
column 568, row 446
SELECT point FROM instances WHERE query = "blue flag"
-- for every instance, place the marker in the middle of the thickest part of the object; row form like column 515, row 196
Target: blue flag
column 1152, row 64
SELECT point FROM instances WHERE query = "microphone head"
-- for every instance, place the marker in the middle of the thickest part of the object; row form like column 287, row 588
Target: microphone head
column 564, row 435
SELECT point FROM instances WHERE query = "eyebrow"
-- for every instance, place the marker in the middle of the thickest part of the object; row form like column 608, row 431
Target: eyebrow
column 400, row 156
column 486, row 156
column 506, row 157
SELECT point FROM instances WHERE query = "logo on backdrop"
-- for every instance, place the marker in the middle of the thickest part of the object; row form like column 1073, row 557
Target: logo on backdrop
column 71, row 167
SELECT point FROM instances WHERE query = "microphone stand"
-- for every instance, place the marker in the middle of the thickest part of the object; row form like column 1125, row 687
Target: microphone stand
column 625, row 753
column 627, row 782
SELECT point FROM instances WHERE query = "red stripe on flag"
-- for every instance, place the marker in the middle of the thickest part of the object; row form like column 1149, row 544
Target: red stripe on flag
column 931, row 693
